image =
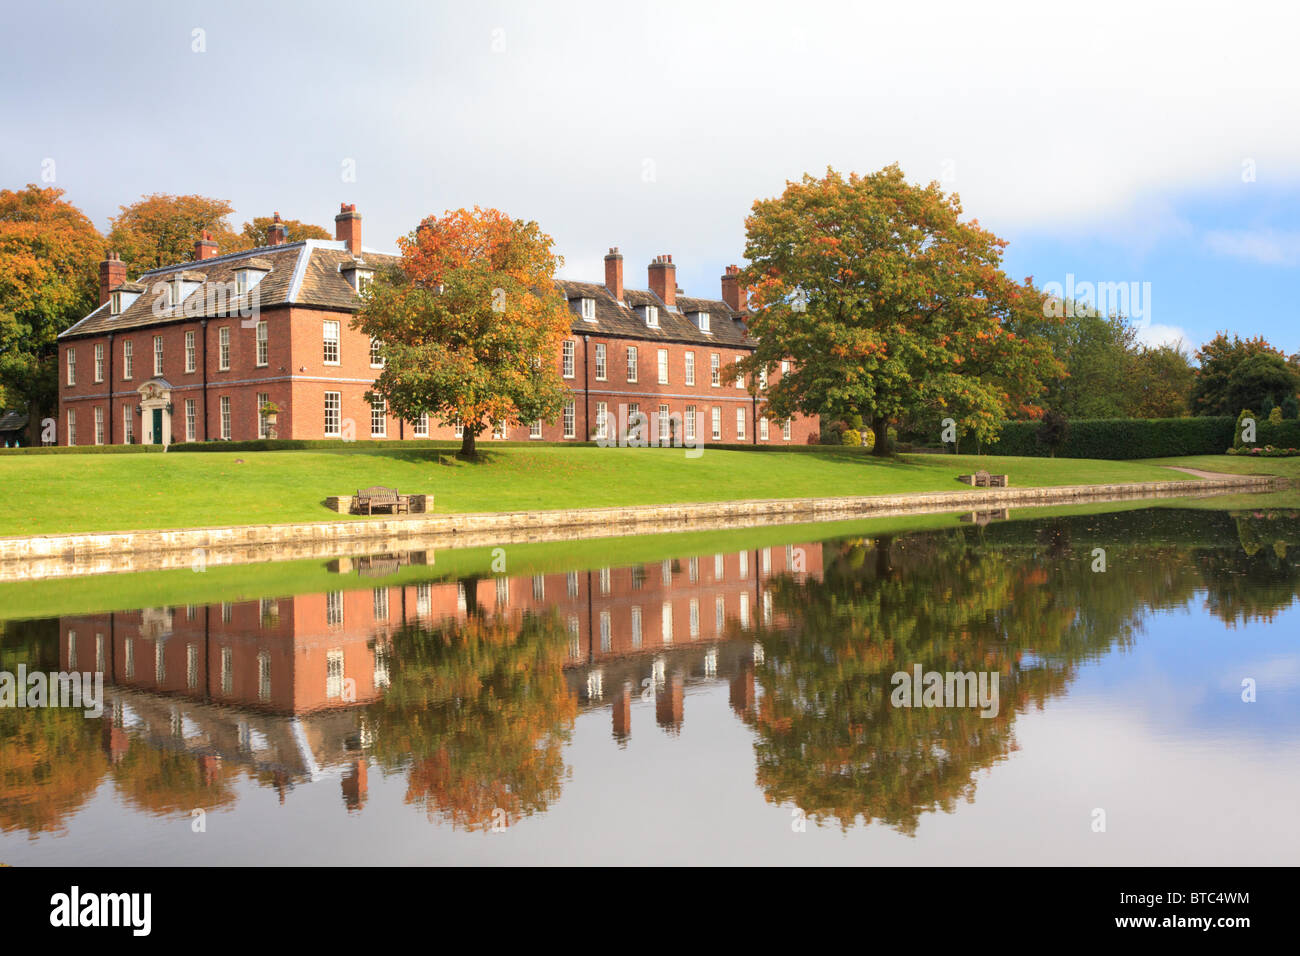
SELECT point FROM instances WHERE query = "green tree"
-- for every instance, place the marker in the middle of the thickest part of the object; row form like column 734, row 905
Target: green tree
column 48, row 252
column 1217, row 392
column 887, row 303
column 1160, row 383
column 470, row 323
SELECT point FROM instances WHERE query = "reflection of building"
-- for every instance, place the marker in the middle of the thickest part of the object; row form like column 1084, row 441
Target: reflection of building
column 278, row 684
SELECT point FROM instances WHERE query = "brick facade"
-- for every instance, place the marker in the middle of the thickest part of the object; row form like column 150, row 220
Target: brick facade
column 204, row 398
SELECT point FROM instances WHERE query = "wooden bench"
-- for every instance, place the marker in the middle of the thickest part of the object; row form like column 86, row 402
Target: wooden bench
column 982, row 479
column 368, row 499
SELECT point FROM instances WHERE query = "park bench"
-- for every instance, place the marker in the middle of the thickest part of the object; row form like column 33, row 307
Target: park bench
column 982, row 479
column 368, row 499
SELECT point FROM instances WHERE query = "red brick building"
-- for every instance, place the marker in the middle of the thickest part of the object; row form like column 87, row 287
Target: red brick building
column 194, row 351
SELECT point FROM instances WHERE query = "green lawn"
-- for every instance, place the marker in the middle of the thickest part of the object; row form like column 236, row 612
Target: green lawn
column 1235, row 465
column 45, row 494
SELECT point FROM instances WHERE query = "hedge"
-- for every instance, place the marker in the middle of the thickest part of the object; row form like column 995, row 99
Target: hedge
column 1125, row 438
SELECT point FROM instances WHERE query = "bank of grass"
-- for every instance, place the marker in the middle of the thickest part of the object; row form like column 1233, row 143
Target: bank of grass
column 70, row 493
column 1234, row 465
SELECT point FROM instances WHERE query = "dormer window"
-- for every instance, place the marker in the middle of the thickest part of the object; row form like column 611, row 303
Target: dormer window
column 177, row 292
column 702, row 321
column 363, row 280
column 652, row 316
column 588, row 309
column 115, row 303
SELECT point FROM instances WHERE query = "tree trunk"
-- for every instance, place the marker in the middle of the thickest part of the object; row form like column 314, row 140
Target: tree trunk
column 880, row 428
column 467, row 446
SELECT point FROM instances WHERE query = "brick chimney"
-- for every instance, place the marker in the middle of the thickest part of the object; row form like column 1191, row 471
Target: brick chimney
column 663, row 279
column 732, row 293
column 614, row 273
column 205, row 247
column 347, row 226
column 277, row 233
column 112, row 272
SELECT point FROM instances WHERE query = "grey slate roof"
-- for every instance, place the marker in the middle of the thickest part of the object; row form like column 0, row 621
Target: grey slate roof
column 298, row 273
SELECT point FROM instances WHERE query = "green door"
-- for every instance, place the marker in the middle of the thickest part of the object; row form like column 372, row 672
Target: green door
column 157, row 426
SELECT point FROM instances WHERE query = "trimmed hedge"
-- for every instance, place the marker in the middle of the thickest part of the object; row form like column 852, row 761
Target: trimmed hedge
column 83, row 450
column 1127, row 438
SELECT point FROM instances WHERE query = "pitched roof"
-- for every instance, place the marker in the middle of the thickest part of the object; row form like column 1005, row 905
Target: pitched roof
column 296, row 273
column 725, row 326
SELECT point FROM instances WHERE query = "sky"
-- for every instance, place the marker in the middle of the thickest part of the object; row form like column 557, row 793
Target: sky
column 1149, row 148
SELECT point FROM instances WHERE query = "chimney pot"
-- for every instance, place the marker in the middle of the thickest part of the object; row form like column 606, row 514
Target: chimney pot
column 614, row 273
column 732, row 293
column 277, row 233
column 112, row 273
column 347, row 227
column 204, row 246
column 663, row 280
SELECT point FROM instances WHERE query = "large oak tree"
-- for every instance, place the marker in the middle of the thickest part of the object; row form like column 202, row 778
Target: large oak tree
column 887, row 303
column 470, row 323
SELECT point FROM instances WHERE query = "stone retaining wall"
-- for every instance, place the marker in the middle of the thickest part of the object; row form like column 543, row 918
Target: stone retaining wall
column 70, row 555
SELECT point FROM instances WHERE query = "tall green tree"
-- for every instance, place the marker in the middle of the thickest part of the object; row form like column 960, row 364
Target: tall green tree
column 1160, row 382
column 1239, row 373
column 48, row 255
column 470, row 323
column 887, row 303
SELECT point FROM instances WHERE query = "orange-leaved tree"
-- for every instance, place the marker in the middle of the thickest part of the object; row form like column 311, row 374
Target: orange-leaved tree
column 160, row 230
column 469, row 323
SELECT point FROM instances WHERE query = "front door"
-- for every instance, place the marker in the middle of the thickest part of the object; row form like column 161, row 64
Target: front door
column 157, row 426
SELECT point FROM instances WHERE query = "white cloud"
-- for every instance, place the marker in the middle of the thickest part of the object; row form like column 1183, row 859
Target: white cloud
column 1268, row 246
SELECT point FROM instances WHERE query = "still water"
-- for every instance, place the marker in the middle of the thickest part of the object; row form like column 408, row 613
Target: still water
column 699, row 707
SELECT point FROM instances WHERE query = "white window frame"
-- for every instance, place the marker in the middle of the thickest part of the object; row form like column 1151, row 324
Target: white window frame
column 570, row 416
column 704, row 322
column 128, row 359
column 786, row 430
column 535, row 429
column 263, row 344
column 717, row 423
column 225, row 417
column 99, row 363
column 588, row 309
column 263, row 427
column 72, row 366
column 740, row 379
column 99, row 424
column 601, row 364
column 223, row 349
column 665, row 418
column 191, row 419
column 715, row 370
column 740, row 424
column 376, row 357
column 689, row 358
column 337, row 402
column 663, row 366
column 191, row 356
column 689, row 421
column 158, row 355
column 379, row 417
column 128, row 424
column 762, row 428
column 631, row 363
column 568, row 359
column 420, row 427
column 652, row 316
column 331, row 346
column 602, row 420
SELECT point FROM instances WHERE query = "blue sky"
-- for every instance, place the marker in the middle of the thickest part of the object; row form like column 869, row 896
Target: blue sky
column 1112, row 142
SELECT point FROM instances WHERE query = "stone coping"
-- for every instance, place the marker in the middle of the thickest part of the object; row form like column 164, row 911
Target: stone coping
column 74, row 555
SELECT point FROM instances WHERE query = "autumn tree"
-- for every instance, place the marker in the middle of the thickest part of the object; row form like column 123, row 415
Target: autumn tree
column 48, row 252
column 887, row 303
column 470, row 322
column 159, row 230
column 255, row 233
column 1241, row 373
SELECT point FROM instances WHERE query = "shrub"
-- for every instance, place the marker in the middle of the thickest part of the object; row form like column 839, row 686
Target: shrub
column 1125, row 438
column 851, row 437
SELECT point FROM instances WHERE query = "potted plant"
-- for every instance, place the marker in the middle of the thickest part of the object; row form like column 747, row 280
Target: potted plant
column 270, row 412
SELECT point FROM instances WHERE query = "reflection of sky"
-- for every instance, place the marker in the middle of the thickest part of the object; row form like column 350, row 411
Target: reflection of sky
column 1183, row 677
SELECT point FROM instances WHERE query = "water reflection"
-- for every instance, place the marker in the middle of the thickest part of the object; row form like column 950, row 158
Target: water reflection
column 467, row 690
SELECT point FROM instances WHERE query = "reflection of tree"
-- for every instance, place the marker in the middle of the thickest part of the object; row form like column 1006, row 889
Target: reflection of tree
column 51, row 760
column 1258, row 580
column 170, row 781
column 829, row 739
column 479, row 710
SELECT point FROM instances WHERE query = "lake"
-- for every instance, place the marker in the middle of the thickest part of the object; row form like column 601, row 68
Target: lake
column 776, row 695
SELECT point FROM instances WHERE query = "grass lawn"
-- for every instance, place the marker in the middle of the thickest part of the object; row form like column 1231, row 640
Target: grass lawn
column 44, row 494
column 1235, row 465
